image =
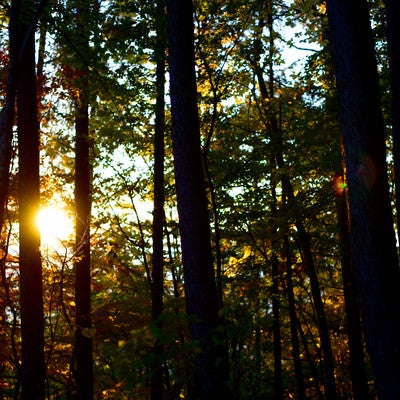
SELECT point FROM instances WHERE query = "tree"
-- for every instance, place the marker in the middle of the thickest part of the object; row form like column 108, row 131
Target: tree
column 393, row 44
column 352, row 307
column 157, row 285
column 209, row 380
column 32, row 320
column 7, row 114
column 371, row 225
column 83, row 366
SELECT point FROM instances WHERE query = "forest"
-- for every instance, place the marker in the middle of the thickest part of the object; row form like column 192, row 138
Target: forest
column 198, row 199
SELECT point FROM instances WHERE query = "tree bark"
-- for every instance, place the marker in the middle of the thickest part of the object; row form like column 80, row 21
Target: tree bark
column 371, row 223
column 83, row 349
column 353, row 318
column 7, row 114
column 83, row 336
column 393, row 43
column 32, row 320
column 210, row 373
column 157, row 286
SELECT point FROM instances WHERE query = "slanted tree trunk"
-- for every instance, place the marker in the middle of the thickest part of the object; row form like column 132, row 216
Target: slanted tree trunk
column 371, row 223
column 308, row 262
column 82, row 366
column 157, row 284
column 210, row 372
column 32, row 320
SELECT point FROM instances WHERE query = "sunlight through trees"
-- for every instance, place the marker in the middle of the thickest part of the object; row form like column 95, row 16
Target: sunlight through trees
column 199, row 200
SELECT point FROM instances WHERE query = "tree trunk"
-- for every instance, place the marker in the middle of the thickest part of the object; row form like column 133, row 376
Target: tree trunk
column 371, row 224
column 158, row 212
column 83, row 368
column 393, row 43
column 294, row 323
column 32, row 320
column 276, row 291
column 308, row 262
column 276, row 329
column 83, row 337
column 7, row 114
column 210, row 373
column 353, row 318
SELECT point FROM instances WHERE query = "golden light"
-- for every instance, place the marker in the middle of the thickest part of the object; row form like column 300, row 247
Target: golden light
column 55, row 226
column 338, row 185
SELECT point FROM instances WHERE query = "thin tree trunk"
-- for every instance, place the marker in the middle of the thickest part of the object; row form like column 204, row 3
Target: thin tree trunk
column 217, row 233
column 83, row 349
column 83, row 337
column 371, row 223
column 308, row 262
column 311, row 363
column 294, row 323
column 32, row 320
column 276, row 292
column 158, row 212
column 276, row 329
column 210, row 373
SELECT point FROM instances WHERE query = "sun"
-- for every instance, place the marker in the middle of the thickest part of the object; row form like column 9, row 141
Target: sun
column 55, row 226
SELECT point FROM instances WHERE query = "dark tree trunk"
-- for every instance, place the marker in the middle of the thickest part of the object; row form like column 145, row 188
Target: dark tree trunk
column 158, row 212
column 82, row 368
column 276, row 329
column 294, row 323
column 353, row 318
column 276, row 291
column 371, row 223
column 7, row 114
column 393, row 42
column 210, row 185
column 311, row 363
column 210, row 373
column 83, row 339
column 32, row 320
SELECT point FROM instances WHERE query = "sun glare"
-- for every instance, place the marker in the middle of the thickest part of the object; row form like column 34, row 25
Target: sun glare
column 55, row 226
